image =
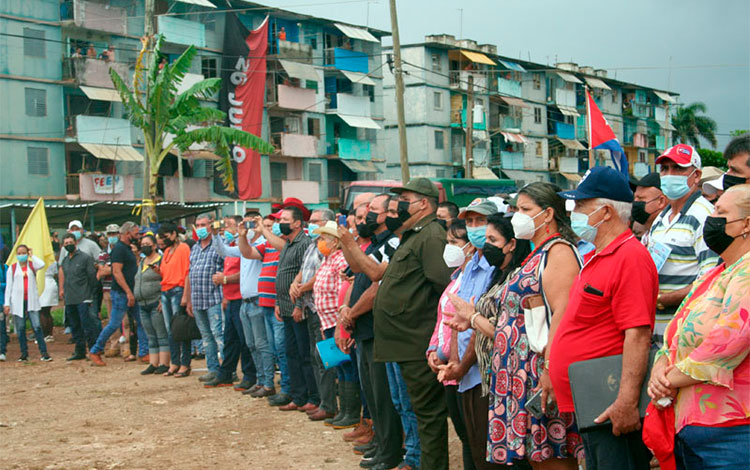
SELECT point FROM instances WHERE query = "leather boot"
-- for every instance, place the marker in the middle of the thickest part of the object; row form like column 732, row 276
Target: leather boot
column 352, row 406
column 365, row 425
column 342, row 407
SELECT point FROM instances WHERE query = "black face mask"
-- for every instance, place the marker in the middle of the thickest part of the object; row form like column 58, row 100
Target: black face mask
column 285, row 229
column 731, row 180
column 363, row 230
column 147, row 250
column 371, row 220
column 167, row 242
column 493, row 254
column 715, row 235
column 639, row 212
column 393, row 223
column 70, row 248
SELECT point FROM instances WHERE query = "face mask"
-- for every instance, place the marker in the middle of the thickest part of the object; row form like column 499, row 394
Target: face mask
column 393, row 223
column 167, row 241
column 454, row 256
column 674, row 186
column 639, row 213
column 285, row 229
column 732, row 180
column 364, row 230
column 202, row 233
column 477, row 236
column 523, row 225
column 70, row 248
column 580, row 225
column 22, row 258
column 371, row 220
column 112, row 240
column 443, row 224
column 715, row 235
column 228, row 236
column 323, row 248
column 77, row 234
column 311, row 228
column 147, row 250
column 494, row 255
column 276, row 230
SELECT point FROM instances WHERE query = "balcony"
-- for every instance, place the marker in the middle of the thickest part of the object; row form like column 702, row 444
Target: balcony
column 511, row 160
column 565, row 131
column 352, row 149
column 569, row 165
column 345, row 59
column 348, row 104
column 98, row 187
column 511, row 122
column 94, row 72
column 509, row 87
column 295, row 51
column 460, row 79
column 295, row 145
column 290, row 97
column 95, row 16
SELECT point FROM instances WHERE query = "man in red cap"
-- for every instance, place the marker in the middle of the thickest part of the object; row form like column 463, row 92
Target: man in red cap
column 675, row 240
column 293, row 202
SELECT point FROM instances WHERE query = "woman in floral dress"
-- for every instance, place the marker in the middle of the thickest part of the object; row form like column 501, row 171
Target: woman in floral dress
column 516, row 371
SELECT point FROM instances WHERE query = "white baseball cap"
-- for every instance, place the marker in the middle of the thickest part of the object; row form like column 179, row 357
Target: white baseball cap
column 713, row 186
column 75, row 223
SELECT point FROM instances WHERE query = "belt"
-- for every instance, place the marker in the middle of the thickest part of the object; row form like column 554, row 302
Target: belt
column 251, row 299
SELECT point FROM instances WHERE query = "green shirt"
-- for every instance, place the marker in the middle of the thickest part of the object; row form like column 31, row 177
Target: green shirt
column 405, row 309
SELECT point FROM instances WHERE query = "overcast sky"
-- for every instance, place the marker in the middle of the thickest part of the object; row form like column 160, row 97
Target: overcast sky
column 708, row 40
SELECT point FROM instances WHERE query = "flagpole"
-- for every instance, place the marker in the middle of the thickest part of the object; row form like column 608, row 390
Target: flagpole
column 588, row 126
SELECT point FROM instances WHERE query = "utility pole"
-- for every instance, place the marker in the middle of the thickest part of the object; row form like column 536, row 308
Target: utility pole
column 148, row 31
column 469, row 127
column 398, row 74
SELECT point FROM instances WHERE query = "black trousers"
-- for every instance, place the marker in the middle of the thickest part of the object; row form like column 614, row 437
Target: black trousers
column 303, row 388
column 386, row 421
column 235, row 347
column 456, row 412
column 428, row 401
column 605, row 451
column 476, row 411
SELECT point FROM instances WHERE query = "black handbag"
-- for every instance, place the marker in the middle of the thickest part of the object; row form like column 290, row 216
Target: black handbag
column 183, row 327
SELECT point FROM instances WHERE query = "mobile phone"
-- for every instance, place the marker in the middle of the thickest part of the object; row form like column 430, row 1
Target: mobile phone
column 534, row 405
column 249, row 224
column 342, row 220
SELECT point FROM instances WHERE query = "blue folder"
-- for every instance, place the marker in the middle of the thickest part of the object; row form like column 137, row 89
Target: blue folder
column 330, row 354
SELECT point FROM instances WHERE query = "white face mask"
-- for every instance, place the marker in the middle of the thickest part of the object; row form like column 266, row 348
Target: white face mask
column 454, row 256
column 523, row 225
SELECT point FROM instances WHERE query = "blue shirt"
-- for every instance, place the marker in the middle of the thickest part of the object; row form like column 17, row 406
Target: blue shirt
column 474, row 282
column 204, row 263
column 249, row 268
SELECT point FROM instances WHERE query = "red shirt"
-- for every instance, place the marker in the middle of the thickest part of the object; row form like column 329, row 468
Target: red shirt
column 25, row 282
column 594, row 325
column 231, row 266
column 267, row 279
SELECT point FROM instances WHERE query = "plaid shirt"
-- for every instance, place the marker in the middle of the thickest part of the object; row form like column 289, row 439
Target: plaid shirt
column 310, row 265
column 290, row 262
column 326, row 289
column 204, row 263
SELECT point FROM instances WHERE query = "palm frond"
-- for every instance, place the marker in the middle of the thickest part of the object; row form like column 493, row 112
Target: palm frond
column 196, row 116
column 201, row 90
column 132, row 105
column 224, row 136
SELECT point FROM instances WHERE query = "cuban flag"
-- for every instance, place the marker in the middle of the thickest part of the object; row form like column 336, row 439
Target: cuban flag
column 601, row 136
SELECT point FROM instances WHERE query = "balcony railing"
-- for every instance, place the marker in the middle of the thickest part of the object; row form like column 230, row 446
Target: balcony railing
column 511, row 160
column 509, row 87
column 94, row 72
column 296, row 51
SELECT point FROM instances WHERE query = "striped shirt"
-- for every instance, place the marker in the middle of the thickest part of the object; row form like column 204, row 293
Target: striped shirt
column 267, row 279
column 310, row 265
column 689, row 257
column 290, row 262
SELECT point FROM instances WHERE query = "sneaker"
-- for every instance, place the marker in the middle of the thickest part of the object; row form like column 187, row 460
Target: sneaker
column 161, row 369
column 216, row 382
column 49, row 339
column 148, row 370
column 243, row 386
column 2, row 358
column 23, row 359
column 280, row 399
column 46, row 358
column 252, row 389
column 263, row 392
column 206, row 377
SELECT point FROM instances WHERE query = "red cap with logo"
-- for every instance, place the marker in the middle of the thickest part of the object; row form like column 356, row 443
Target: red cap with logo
column 683, row 155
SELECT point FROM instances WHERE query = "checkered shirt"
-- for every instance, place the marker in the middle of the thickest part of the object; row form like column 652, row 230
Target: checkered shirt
column 204, row 263
column 327, row 287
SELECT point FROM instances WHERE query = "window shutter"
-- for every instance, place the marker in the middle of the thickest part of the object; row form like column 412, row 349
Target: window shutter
column 33, row 42
column 38, row 161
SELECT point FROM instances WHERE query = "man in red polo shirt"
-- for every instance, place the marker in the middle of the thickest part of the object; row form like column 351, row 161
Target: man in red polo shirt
column 610, row 311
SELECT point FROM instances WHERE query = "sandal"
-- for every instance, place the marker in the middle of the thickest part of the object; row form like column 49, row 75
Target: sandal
column 130, row 358
column 180, row 375
column 170, row 372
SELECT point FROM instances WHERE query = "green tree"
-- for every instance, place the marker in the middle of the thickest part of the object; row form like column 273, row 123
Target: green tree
column 691, row 126
column 154, row 106
column 739, row 132
column 712, row 158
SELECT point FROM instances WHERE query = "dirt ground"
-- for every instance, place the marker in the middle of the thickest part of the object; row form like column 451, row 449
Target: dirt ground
column 71, row 416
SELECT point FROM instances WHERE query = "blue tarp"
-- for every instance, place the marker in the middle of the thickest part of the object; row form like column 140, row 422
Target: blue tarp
column 512, row 66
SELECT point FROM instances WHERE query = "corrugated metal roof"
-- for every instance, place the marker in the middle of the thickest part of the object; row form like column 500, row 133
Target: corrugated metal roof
column 356, row 77
column 477, row 57
column 101, row 94
column 359, row 121
column 569, row 77
column 121, row 153
column 664, row 96
column 572, row 144
column 356, row 33
column 596, row 83
column 300, row 70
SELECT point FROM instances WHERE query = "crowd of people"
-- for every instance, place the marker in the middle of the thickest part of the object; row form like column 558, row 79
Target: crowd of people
column 476, row 314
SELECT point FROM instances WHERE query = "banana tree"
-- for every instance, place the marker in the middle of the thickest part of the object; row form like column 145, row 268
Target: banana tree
column 155, row 107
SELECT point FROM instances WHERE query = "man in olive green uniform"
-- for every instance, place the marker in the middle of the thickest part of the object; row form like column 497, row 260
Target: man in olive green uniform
column 405, row 312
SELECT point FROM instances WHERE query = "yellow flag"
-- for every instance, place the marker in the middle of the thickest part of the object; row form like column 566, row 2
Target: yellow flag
column 35, row 235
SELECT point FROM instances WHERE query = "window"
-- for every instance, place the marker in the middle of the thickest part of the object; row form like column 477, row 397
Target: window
column 440, row 174
column 33, row 42
column 278, row 174
column 315, row 171
column 539, row 149
column 209, row 67
column 569, row 120
column 438, row 99
column 292, row 125
column 36, row 102
column 537, row 81
column 38, row 161
column 313, row 42
column 436, row 63
column 371, row 135
column 313, row 127
column 643, row 156
column 537, row 115
column 613, row 93
column 439, row 140
column 369, row 90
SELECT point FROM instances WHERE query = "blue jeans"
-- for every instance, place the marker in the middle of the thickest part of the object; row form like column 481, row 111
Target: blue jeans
column 256, row 339
column 156, row 331
column 19, row 324
column 712, row 448
column 3, row 335
column 85, row 331
column 179, row 351
column 211, row 326
column 275, row 335
column 119, row 309
column 235, row 350
column 401, row 402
